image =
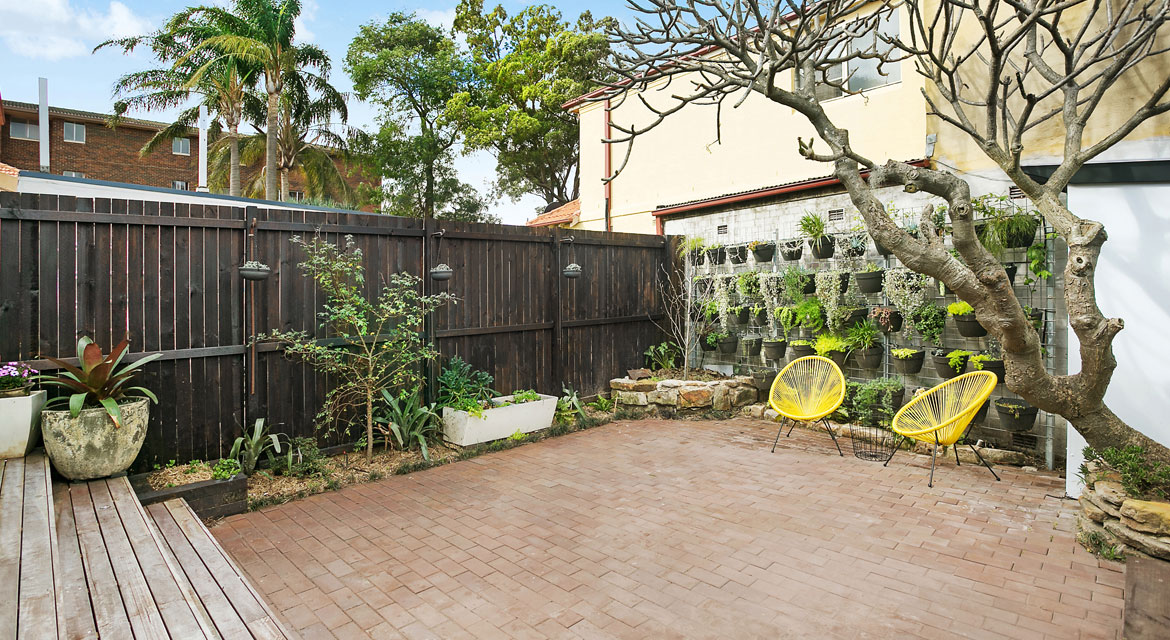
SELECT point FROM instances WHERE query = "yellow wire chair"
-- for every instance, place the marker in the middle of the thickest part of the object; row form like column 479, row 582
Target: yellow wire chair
column 941, row 415
column 807, row 390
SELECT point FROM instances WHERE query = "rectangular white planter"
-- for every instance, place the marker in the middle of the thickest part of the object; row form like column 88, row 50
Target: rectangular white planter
column 20, row 424
column 463, row 429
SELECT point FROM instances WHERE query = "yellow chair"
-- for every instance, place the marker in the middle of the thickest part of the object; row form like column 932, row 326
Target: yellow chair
column 941, row 416
column 807, row 390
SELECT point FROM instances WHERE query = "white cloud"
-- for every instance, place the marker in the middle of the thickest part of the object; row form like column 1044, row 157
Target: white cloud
column 308, row 14
column 55, row 29
column 436, row 18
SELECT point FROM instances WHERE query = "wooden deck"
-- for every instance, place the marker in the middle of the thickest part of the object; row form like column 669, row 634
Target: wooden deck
column 87, row 560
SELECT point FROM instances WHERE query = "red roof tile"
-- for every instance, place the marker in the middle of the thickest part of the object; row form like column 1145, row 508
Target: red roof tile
column 563, row 214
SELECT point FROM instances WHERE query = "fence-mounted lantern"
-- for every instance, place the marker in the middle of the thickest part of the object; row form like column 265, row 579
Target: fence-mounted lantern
column 572, row 270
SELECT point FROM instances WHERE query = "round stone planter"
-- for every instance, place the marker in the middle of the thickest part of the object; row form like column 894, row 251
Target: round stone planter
column 801, row 350
column 764, row 252
column 870, row 281
column 774, row 349
column 942, row 366
column 969, row 327
column 870, row 358
column 90, row 446
column 1015, row 415
column 727, row 345
column 909, row 366
column 823, row 247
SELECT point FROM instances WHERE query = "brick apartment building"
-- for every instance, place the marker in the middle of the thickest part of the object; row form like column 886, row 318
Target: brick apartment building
column 82, row 145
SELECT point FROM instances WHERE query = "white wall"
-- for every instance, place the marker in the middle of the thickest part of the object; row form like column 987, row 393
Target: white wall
column 1133, row 283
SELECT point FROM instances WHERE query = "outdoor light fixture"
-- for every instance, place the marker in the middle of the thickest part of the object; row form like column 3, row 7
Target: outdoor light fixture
column 572, row 270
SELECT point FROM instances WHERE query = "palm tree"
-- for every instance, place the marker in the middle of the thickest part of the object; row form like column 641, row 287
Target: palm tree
column 221, row 83
column 261, row 32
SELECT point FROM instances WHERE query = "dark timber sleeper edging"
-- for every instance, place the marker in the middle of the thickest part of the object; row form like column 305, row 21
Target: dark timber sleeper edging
column 208, row 498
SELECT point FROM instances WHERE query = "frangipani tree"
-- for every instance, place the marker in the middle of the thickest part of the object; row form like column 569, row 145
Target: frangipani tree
column 1003, row 73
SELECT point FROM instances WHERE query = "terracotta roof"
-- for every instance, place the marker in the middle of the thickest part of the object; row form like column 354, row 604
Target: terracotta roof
column 566, row 213
column 9, row 170
column 90, row 116
column 761, row 193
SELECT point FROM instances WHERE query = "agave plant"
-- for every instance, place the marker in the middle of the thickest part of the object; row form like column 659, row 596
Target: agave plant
column 99, row 381
column 411, row 421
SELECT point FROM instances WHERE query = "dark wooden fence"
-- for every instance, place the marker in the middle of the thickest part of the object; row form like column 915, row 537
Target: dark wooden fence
column 165, row 274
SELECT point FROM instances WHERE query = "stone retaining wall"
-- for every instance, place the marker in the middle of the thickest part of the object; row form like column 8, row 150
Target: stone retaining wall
column 684, row 395
column 1108, row 514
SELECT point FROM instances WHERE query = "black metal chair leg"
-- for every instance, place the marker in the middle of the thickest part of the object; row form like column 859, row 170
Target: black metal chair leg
column 778, row 436
column 956, row 448
column 789, row 429
column 834, row 436
column 933, row 455
column 984, row 461
column 897, row 446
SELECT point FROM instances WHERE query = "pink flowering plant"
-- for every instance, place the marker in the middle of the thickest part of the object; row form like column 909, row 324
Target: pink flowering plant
column 15, row 375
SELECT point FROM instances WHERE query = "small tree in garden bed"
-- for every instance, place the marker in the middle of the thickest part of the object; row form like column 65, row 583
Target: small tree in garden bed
column 379, row 344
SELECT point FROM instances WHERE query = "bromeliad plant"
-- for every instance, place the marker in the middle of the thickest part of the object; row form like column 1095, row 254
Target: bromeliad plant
column 100, row 381
column 409, row 420
column 376, row 343
column 249, row 447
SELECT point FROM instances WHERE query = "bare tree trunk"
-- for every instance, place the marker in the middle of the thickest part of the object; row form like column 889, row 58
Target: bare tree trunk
column 284, row 184
column 234, row 171
column 370, row 425
column 270, row 143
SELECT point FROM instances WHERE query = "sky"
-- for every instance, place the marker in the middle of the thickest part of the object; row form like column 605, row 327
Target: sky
column 54, row 38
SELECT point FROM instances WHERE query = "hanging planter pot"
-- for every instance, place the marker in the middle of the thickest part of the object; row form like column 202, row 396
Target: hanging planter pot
column 738, row 254
column 981, row 414
column 716, row 256
column 741, row 316
column 760, row 318
column 942, row 366
column 909, row 366
column 727, row 345
column 571, row 271
column 762, row 380
column 1015, row 415
column 705, row 345
column 441, row 272
column 764, row 251
column 881, row 248
column 855, row 316
column 822, row 247
column 1011, row 269
column 792, row 250
column 800, row 350
column 853, row 245
column 697, row 258
column 1036, row 317
column 750, row 347
column 968, row 326
column 870, row 358
column 838, row 357
column 774, row 349
column 1021, row 237
column 810, row 287
column 253, row 270
column 870, row 281
column 994, row 366
column 888, row 319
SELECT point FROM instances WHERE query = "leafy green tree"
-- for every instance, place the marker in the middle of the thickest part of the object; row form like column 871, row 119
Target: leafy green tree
column 412, row 69
column 526, row 67
column 261, row 32
column 221, row 83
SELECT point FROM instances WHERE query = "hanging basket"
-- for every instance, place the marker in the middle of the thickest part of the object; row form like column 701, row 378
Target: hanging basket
column 441, row 272
column 254, row 271
column 572, row 271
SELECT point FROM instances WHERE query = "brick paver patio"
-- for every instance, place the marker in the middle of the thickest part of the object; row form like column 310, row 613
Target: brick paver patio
column 664, row 529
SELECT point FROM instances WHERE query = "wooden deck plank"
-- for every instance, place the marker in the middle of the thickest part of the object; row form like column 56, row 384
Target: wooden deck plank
column 109, row 611
column 227, row 620
column 11, row 517
column 79, row 622
column 181, row 609
column 38, row 594
column 145, row 619
column 244, row 598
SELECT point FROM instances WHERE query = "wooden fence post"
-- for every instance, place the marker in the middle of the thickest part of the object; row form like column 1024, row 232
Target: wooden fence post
column 555, row 297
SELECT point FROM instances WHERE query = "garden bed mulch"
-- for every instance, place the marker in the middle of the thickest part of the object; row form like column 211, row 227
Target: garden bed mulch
column 178, row 475
column 702, row 375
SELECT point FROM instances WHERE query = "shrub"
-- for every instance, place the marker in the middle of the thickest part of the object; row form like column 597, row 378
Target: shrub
column 957, row 359
column 903, row 353
column 409, row 421
column 959, row 308
column 1140, row 477
column 827, row 343
column 465, row 388
column 873, row 402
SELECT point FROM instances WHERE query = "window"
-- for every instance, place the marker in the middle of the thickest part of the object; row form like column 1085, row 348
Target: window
column 73, row 174
column 721, row 229
column 74, row 132
column 179, row 184
column 863, row 73
column 181, row 146
column 24, row 130
column 836, row 215
column 296, row 196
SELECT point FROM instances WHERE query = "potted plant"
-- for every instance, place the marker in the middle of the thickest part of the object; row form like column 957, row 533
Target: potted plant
column 792, row 249
column 692, row 249
column 865, row 342
column 888, row 319
column 103, row 427
column 254, row 270
column 1015, row 415
column 750, row 347
column 497, row 418
column 869, row 279
column 20, row 410
column 875, row 402
column 832, row 347
column 762, row 380
column 739, row 314
column 748, row 285
column 707, row 341
column 774, row 348
column 738, row 254
column 850, row 317
column 801, row 348
column 759, row 316
column 908, row 361
column 1003, row 224
column 763, row 251
column 928, row 320
column 986, row 362
column 965, row 320
column 853, row 245
column 813, row 227
column 950, row 364
column 443, row 272
column 809, row 315
column 716, row 254
column 572, row 270
column 725, row 341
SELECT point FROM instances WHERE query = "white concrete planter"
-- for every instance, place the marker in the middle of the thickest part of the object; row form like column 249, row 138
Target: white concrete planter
column 20, row 424
column 463, row 429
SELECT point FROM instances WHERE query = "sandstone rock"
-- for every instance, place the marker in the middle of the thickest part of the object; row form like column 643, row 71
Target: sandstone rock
column 671, row 384
column 1092, row 511
column 1110, row 491
column 663, row 396
column 743, row 396
column 1157, row 546
column 745, row 381
column 721, row 399
column 1101, row 503
column 770, row 414
column 631, row 398
column 625, row 384
column 1146, row 516
column 638, row 374
column 694, row 397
